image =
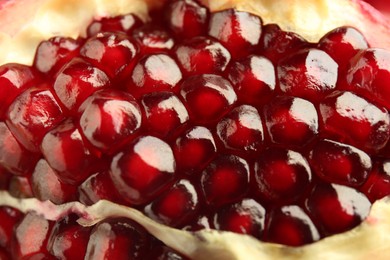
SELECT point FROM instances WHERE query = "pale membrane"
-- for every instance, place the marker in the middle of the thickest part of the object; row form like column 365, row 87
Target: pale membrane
column 43, row 19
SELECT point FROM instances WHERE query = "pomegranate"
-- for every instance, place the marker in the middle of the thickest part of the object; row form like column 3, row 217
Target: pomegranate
column 190, row 129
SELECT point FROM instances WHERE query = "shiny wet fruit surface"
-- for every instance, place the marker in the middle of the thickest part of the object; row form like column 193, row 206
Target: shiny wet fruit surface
column 207, row 120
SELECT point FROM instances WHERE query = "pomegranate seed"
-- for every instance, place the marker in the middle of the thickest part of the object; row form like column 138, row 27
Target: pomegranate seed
column 66, row 152
column 175, row 207
column 281, row 175
column 30, row 238
column 32, row 115
column 14, row 79
column 208, row 97
column 225, row 180
column 152, row 39
column 342, row 44
column 240, row 32
column 202, row 55
column 47, row 186
column 347, row 206
column 355, row 120
column 289, row 225
column 97, row 187
column 76, row 82
column 119, row 239
column 291, row 121
column 110, row 119
column 68, row 240
column 276, row 44
column 110, row 52
column 310, row 74
column 340, row 163
column 199, row 223
column 5, row 177
column 369, row 72
column 54, row 53
column 156, row 72
column 194, row 149
column 20, row 187
column 4, row 254
column 164, row 113
column 244, row 217
column 377, row 185
column 242, row 130
column 142, row 170
column 122, row 23
column 186, row 19
column 9, row 219
column 13, row 156
column 253, row 79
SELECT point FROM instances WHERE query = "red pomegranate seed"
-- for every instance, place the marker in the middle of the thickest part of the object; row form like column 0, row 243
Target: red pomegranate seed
column 342, row 44
column 276, row 44
column 20, row 187
column 153, row 39
column 5, row 178
column 110, row 52
column 119, row 239
column 289, row 225
column 30, row 238
column 13, row 156
column 14, row 79
column 253, row 79
column 9, row 219
column 32, row 115
column 4, row 254
column 194, row 149
column 377, row 185
column 66, row 152
column 242, row 130
column 310, row 74
column 110, row 119
column 77, row 81
column 164, row 113
column 68, row 239
column 52, row 54
column 291, row 121
column 186, row 19
column 199, row 223
column 340, row 163
column 369, row 72
column 244, row 217
column 336, row 208
column 122, row 23
column 225, row 180
column 355, row 120
column 156, row 72
column 201, row 55
column 208, row 97
column 143, row 169
column 281, row 175
column 240, row 32
column 97, row 187
column 47, row 186
column 175, row 207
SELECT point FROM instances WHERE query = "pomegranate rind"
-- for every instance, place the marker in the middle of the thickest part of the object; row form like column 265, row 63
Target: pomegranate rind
column 371, row 239
column 25, row 23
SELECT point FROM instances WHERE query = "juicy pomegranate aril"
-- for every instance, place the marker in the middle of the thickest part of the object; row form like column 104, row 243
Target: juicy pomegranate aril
column 208, row 120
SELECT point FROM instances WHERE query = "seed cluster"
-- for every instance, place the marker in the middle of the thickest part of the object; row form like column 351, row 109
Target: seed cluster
column 200, row 120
